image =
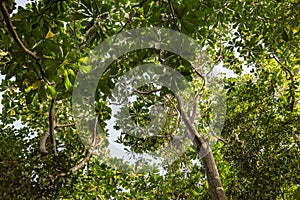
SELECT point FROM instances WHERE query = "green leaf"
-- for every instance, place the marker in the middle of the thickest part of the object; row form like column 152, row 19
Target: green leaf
column 285, row 36
column 42, row 93
column 21, row 15
column 36, row 84
column 67, row 81
column 60, row 87
column 86, row 69
column 51, row 90
column 78, row 16
column 28, row 89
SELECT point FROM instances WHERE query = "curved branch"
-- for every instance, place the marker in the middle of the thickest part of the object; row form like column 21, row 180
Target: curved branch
column 221, row 139
column 287, row 71
column 47, row 133
column 82, row 163
column 16, row 38
column 12, row 30
column 291, row 77
column 79, row 165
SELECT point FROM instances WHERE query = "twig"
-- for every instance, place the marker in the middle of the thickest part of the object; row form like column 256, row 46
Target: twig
column 287, row 71
column 196, row 100
column 178, row 197
column 88, row 153
column 128, row 21
column 168, row 97
column 221, row 139
column 221, row 48
column 146, row 93
column 177, row 118
column 16, row 38
column 176, row 124
column 132, row 15
column 173, row 15
column 94, row 136
column 72, row 30
column 64, row 125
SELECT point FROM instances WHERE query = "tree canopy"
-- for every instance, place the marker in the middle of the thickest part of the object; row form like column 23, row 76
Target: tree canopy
column 254, row 155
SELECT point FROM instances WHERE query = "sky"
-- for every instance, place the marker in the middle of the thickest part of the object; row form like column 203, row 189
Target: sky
column 21, row 2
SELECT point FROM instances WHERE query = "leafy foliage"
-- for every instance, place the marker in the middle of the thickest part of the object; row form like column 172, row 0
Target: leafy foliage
column 259, row 158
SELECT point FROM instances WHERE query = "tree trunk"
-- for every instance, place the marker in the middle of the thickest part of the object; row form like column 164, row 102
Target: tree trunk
column 215, row 185
column 216, row 189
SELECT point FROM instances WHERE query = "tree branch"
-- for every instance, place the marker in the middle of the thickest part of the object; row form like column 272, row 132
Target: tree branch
column 173, row 15
column 176, row 124
column 82, row 163
column 43, row 141
column 64, row 125
column 146, row 93
column 47, row 133
column 78, row 166
column 128, row 21
column 52, row 124
column 132, row 15
column 199, row 95
column 16, row 38
column 192, row 132
column 287, row 71
column 94, row 136
column 291, row 77
column 12, row 30
column 88, row 153
column 221, row 139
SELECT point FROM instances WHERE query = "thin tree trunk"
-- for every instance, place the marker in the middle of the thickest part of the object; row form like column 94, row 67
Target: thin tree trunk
column 215, row 185
column 216, row 189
